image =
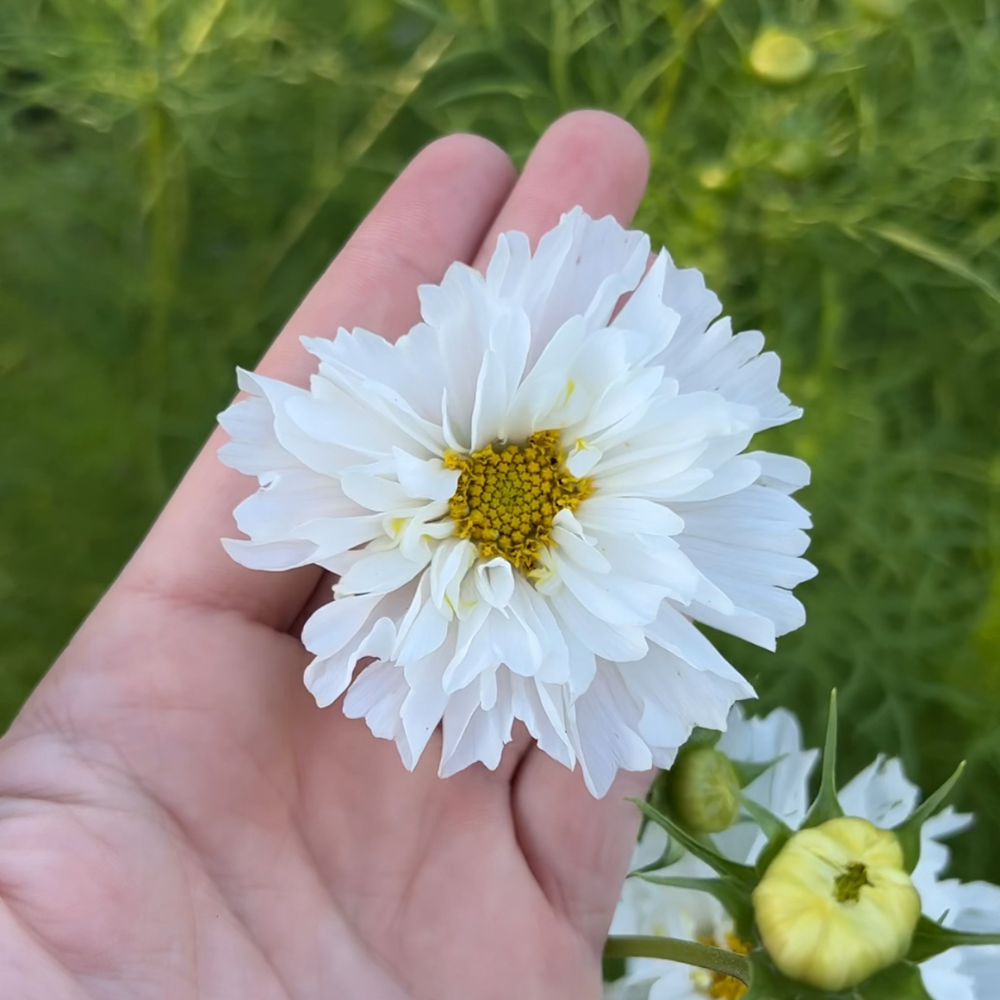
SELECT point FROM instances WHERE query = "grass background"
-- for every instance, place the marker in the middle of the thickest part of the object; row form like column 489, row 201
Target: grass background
column 174, row 174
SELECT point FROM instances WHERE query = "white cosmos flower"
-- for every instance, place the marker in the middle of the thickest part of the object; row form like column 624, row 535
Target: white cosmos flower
column 686, row 914
column 648, row 909
column 883, row 795
column 527, row 499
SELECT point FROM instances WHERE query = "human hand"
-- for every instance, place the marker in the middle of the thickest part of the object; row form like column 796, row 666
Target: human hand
column 178, row 819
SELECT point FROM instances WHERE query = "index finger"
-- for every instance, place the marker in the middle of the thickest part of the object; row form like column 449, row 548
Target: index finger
column 435, row 213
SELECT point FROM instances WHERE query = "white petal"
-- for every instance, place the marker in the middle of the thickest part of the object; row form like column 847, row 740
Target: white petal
column 944, row 980
column 676, row 697
column 781, row 472
column 758, row 517
column 673, row 632
column 629, row 516
column 756, row 628
column 377, row 695
column 582, row 459
column 459, row 312
column 982, row 965
column 473, row 651
column 584, row 554
column 372, row 491
column 545, row 718
column 517, row 647
column 530, row 610
column 495, row 582
column 473, row 734
column 635, row 605
column 613, row 642
column 881, row 793
column 606, row 731
column 271, row 556
column 646, row 311
column 424, row 636
column 327, row 431
column 327, row 677
column 378, row 573
column 388, row 414
column 331, row 627
column 290, row 499
column 499, row 376
column 782, row 789
column 581, row 268
column 411, row 365
column 253, row 448
column 333, row 535
column 425, row 704
column 425, row 478
column 451, row 561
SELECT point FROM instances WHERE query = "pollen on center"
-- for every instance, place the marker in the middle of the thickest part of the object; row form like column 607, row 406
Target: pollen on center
column 508, row 495
column 716, row 984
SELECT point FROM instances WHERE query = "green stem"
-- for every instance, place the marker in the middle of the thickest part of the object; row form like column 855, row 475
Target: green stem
column 704, row 956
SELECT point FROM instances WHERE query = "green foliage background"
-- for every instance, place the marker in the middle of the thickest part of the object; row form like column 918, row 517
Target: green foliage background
column 174, row 174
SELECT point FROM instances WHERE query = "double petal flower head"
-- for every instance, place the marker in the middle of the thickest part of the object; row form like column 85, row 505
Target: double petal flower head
column 527, row 500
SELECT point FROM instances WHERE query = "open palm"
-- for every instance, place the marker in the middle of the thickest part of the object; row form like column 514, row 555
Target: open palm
column 178, row 819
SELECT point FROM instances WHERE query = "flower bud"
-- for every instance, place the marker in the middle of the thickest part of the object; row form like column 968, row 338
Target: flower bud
column 882, row 9
column 780, row 57
column 836, row 905
column 705, row 791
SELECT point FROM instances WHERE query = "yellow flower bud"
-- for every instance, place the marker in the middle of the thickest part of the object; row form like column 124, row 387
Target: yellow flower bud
column 705, row 791
column 780, row 57
column 836, row 905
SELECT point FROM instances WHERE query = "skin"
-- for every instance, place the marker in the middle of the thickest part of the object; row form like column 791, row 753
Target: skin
column 179, row 820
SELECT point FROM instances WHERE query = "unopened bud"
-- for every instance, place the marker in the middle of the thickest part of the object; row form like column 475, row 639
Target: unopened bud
column 836, row 905
column 705, row 791
column 779, row 57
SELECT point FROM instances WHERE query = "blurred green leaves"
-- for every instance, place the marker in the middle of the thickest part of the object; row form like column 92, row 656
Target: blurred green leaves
column 174, row 174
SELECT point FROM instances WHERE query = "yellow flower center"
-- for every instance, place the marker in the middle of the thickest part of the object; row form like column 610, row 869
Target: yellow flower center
column 848, row 884
column 716, row 984
column 508, row 495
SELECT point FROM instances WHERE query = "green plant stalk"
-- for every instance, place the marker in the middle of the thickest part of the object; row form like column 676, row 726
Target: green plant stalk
column 704, row 956
column 428, row 54
column 164, row 214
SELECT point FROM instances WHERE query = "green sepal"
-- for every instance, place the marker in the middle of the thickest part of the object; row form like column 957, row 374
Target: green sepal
column 748, row 772
column 735, row 900
column 827, row 805
column 672, row 853
column 743, row 874
column 901, row 981
column 930, row 939
column 908, row 832
column 776, row 830
column 702, row 739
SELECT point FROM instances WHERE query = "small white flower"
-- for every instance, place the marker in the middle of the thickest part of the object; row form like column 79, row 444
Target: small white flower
column 677, row 913
column 527, row 499
column 882, row 794
column 648, row 909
